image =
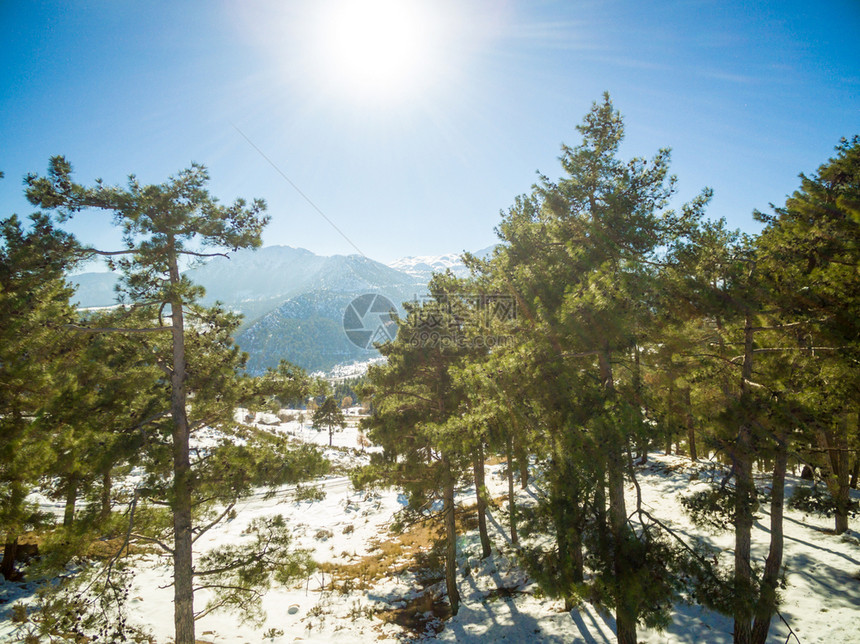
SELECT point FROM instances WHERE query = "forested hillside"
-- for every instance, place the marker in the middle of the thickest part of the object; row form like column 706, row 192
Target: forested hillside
column 292, row 301
column 308, row 331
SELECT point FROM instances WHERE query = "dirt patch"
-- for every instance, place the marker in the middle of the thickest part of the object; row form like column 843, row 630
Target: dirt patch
column 412, row 550
column 420, row 615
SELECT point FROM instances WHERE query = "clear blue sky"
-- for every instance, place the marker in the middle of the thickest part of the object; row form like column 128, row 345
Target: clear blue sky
column 479, row 97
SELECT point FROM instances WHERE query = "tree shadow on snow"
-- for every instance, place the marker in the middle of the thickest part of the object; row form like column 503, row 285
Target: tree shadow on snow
column 816, row 546
column 695, row 623
column 586, row 632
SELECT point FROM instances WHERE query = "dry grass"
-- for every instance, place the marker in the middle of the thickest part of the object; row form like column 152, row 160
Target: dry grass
column 411, row 550
column 31, row 543
column 406, row 551
column 109, row 548
column 391, row 557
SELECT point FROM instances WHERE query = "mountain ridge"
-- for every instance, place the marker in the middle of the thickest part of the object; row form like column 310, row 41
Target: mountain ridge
column 293, row 300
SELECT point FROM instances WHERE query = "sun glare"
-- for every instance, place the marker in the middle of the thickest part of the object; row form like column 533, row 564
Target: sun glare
column 378, row 54
column 377, row 49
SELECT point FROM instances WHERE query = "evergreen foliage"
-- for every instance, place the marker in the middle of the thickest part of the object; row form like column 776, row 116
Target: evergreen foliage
column 34, row 307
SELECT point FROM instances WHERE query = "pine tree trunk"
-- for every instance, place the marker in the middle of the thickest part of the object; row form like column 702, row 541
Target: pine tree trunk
column 725, row 382
column 642, row 438
column 559, row 507
column 575, row 520
column 563, row 545
column 10, row 551
column 855, row 472
column 642, row 451
column 512, row 506
column 744, row 491
column 577, row 556
column 183, row 570
column 838, row 482
column 744, row 494
column 105, row 496
column 625, row 610
column 71, row 499
column 600, row 513
column 450, row 539
column 843, row 492
column 523, row 463
column 843, row 480
column 691, row 426
column 481, row 493
column 670, row 418
column 770, row 579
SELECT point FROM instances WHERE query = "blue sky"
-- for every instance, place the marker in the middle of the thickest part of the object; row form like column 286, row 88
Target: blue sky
column 747, row 95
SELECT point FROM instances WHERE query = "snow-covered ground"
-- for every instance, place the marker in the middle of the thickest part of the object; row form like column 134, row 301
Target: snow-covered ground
column 821, row 602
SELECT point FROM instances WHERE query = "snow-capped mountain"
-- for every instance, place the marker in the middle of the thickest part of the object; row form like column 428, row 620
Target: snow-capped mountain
column 423, row 266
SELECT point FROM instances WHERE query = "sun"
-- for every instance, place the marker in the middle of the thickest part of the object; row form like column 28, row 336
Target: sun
column 376, row 49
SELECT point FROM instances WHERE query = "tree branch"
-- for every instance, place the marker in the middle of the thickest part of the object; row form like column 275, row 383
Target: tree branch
column 582, row 354
column 776, row 349
column 107, row 253
column 159, row 543
column 86, row 329
column 408, row 393
column 193, row 254
column 217, row 571
column 778, row 327
column 205, row 529
column 221, row 603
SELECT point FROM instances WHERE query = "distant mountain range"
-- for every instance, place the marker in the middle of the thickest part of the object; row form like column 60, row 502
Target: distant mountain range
column 423, row 266
column 257, row 282
column 293, row 300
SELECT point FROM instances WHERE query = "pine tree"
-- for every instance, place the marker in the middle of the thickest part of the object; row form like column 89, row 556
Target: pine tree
column 810, row 252
column 162, row 224
column 742, row 357
column 98, row 415
column 34, row 305
column 578, row 255
column 329, row 416
column 417, row 408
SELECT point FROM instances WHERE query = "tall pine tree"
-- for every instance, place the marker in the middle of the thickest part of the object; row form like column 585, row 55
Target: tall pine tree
column 162, row 225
